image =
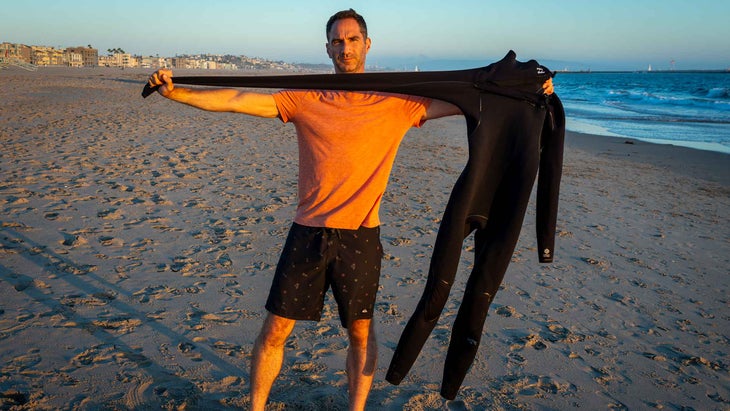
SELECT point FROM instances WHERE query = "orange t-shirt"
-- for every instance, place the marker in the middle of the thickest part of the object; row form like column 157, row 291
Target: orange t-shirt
column 347, row 145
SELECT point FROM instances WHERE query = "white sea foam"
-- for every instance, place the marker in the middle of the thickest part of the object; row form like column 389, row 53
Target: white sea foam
column 688, row 109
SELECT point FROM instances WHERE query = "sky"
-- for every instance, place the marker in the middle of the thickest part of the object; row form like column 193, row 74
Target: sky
column 566, row 34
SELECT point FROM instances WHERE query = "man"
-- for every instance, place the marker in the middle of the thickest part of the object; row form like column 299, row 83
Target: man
column 347, row 144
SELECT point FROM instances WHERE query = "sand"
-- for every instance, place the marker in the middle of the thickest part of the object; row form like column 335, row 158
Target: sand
column 139, row 238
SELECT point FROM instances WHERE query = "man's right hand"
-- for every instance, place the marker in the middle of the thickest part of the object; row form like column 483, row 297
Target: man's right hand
column 162, row 78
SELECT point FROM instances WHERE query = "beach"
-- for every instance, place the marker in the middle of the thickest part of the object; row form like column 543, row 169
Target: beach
column 138, row 241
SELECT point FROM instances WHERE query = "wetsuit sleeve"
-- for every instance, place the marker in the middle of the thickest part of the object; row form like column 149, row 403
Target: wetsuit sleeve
column 548, row 183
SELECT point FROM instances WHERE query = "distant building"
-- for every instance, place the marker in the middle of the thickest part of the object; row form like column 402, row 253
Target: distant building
column 182, row 63
column 16, row 51
column 151, row 62
column 107, row 61
column 89, row 56
column 19, row 54
column 50, row 56
column 121, row 60
column 46, row 56
column 74, row 59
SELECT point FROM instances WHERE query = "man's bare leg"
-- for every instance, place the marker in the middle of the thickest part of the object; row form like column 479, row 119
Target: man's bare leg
column 361, row 360
column 268, row 355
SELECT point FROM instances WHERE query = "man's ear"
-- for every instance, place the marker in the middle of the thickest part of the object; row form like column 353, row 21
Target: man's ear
column 329, row 50
column 367, row 44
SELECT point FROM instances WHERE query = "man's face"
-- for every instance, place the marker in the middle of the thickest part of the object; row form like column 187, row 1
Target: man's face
column 347, row 47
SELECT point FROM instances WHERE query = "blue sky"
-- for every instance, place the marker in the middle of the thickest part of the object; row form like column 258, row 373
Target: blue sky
column 573, row 34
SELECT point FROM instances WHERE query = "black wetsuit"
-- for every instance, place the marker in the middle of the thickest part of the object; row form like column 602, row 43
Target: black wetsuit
column 513, row 130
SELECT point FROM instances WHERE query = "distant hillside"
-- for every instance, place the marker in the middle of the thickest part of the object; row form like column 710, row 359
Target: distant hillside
column 314, row 66
column 427, row 64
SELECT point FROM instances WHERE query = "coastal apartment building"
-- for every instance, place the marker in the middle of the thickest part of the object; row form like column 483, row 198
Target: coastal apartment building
column 17, row 51
column 89, row 57
column 124, row 60
column 118, row 60
column 80, row 57
column 50, row 56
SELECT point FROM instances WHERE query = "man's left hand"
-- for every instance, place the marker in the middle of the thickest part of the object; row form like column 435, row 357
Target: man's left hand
column 547, row 87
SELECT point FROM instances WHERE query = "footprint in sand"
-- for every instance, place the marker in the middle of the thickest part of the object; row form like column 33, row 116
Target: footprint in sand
column 516, row 358
column 140, row 396
column 121, row 324
column 533, row 385
column 183, row 264
column 95, row 300
column 10, row 399
column 668, row 352
column 230, row 349
column 309, row 371
column 20, row 282
column 559, row 334
column 97, row 354
column 110, row 214
column 188, row 349
column 600, row 263
column 508, row 311
column 108, row 241
column 22, row 362
column 72, row 240
column 224, row 260
column 521, row 340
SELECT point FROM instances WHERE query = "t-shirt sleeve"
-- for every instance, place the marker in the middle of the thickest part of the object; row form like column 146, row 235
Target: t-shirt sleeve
column 419, row 107
column 286, row 103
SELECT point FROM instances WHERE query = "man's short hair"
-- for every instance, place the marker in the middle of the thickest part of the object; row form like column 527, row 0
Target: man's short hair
column 347, row 14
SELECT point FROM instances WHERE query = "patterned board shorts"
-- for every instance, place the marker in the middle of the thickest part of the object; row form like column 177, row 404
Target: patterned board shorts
column 315, row 259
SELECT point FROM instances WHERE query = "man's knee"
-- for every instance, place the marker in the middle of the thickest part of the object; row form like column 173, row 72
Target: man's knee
column 275, row 330
column 361, row 333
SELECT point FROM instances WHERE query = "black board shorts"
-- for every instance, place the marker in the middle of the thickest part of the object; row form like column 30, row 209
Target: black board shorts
column 317, row 258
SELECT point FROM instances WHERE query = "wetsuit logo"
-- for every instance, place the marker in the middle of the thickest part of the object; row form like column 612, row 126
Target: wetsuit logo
column 540, row 71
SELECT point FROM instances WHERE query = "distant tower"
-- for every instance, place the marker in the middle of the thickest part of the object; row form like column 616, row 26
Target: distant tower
column 671, row 64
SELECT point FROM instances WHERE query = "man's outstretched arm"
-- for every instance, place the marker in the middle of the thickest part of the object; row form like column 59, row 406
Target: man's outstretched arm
column 221, row 100
column 440, row 108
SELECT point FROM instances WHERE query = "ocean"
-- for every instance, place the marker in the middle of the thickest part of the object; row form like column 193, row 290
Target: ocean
column 682, row 108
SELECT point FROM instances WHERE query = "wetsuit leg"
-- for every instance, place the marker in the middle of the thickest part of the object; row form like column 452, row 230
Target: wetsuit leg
column 459, row 220
column 441, row 275
column 493, row 247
